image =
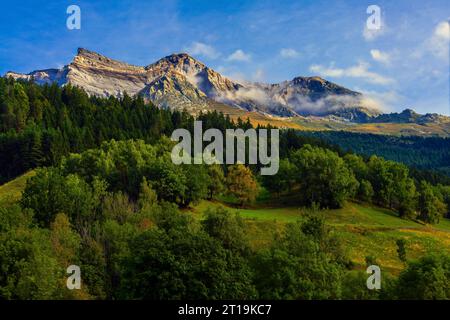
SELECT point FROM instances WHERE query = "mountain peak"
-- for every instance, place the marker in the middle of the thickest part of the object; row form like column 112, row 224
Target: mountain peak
column 180, row 55
column 318, row 85
column 82, row 50
column 88, row 53
column 182, row 82
column 180, row 60
column 313, row 78
column 90, row 59
column 409, row 111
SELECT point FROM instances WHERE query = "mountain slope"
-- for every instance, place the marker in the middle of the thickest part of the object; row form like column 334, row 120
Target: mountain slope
column 180, row 81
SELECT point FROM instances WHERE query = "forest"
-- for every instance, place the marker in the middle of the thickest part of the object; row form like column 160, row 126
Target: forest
column 105, row 196
column 427, row 153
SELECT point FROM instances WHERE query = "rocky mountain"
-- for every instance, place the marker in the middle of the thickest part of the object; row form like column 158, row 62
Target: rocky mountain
column 182, row 82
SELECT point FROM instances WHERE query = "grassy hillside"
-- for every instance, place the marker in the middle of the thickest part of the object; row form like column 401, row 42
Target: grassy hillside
column 257, row 118
column 11, row 192
column 396, row 129
column 324, row 124
column 365, row 230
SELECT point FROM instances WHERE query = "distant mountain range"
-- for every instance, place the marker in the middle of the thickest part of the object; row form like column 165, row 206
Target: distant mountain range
column 409, row 116
column 179, row 81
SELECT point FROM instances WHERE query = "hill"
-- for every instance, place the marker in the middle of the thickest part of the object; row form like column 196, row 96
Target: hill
column 11, row 191
column 364, row 229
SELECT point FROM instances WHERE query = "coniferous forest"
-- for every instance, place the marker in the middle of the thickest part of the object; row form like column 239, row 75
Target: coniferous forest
column 104, row 195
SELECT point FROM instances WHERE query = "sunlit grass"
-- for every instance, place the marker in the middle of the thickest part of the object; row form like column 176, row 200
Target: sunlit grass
column 11, row 192
column 363, row 229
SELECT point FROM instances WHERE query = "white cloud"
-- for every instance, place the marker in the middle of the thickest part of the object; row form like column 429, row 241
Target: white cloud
column 442, row 30
column 327, row 72
column 194, row 79
column 439, row 42
column 361, row 70
column 380, row 56
column 202, row 49
column 289, row 53
column 239, row 55
column 231, row 73
column 259, row 75
column 236, row 76
column 244, row 94
column 372, row 34
column 369, row 34
column 306, row 106
column 383, row 101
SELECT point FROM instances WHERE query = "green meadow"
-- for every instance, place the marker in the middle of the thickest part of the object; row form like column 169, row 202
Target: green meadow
column 364, row 230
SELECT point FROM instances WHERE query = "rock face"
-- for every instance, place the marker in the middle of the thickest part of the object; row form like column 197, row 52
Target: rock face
column 180, row 81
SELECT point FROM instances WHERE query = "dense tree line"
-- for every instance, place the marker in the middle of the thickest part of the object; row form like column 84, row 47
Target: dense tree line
column 41, row 124
column 431, row 154
column 323, row 177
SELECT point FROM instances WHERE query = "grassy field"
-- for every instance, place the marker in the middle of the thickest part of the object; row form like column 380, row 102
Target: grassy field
column 11, row 192
column 364, row 230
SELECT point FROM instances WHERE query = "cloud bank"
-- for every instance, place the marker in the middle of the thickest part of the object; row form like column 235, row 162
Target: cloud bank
column 239, row 55
column 438, row 44
column 288, row 53
column 202, row 49
column 361, row 71
column 380, row 56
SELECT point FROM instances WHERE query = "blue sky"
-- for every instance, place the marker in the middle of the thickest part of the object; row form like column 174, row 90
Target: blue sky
column 404, row 65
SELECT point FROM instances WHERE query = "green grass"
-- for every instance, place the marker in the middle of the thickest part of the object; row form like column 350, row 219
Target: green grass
column 352, row 214
column 364, row 230
column 281, row 214
column 11, row 192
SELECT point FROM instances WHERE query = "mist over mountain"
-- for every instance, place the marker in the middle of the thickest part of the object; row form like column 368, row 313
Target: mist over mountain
column 179, row 81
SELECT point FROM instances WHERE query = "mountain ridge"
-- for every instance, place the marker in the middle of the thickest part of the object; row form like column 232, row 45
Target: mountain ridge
column 179, row 81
